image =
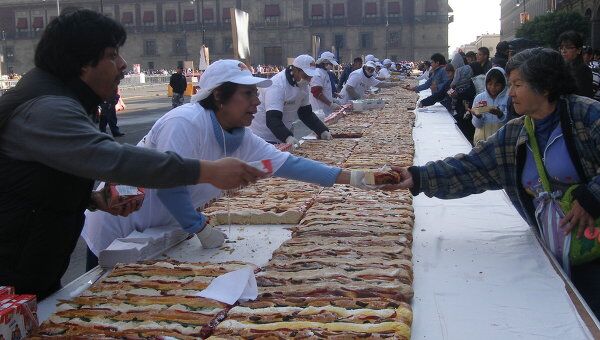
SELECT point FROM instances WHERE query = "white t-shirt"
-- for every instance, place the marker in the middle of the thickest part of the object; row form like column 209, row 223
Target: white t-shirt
column 281, row 96
column 384, row 73
column 321, row 79
column 188, row 131
column 359, row 82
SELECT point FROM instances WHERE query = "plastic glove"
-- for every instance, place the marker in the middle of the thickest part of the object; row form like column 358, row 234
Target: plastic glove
column 326, row 135
column 293, row 141
column 210, row 237
column 357, row 179
column 335, row 106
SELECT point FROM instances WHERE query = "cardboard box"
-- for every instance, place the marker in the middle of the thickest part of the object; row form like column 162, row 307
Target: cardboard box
column 122, row 194
column 18, row 316
column 6, row 290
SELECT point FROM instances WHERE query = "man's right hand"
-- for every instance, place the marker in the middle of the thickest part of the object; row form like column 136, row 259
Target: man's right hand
column 228, row 173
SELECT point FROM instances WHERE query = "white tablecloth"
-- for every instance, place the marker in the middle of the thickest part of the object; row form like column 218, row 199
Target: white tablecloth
column 480, row 272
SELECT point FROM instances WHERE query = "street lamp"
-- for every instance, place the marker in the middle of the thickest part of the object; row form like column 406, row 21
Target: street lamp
column 202, row 18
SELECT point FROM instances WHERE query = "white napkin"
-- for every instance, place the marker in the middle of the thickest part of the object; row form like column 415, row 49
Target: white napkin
column 232, row 286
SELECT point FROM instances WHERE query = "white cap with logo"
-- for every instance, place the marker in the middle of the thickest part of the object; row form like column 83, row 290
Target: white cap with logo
column 227, row 70
column 327, row 56
column 306, row 63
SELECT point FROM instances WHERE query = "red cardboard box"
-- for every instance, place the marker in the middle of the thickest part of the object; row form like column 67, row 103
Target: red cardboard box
column 6, row 290
column 121, row 194
column 18, row 316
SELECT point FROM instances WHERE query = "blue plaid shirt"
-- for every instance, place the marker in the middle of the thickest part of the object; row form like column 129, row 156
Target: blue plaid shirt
column 497, row 163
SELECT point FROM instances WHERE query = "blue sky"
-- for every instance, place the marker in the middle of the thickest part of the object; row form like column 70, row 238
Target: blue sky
column 472, row 18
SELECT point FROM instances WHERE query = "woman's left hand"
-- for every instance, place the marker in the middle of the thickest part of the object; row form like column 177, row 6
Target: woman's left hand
column 577, row 217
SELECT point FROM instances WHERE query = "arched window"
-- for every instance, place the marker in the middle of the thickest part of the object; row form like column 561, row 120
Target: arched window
column 588, row 14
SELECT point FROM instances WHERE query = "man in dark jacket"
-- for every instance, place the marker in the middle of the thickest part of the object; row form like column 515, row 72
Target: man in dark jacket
column 108, row 115
column 356, row 64
column 501, row 57
column 178, row 83
column 51, row 152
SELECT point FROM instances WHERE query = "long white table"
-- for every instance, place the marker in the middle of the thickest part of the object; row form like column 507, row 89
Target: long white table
column 480, row 272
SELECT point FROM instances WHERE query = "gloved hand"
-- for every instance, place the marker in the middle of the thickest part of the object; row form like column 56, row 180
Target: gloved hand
column 291, row 140
column 357, row 179
column 326, row 135
column 335, row 106
column 210, row 237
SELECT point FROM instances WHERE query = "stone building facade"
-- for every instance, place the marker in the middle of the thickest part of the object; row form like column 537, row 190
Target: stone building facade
column 513, row 11
column 162, row 34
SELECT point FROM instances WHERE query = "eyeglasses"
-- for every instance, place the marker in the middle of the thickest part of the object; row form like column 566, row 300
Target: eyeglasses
column 564, row 48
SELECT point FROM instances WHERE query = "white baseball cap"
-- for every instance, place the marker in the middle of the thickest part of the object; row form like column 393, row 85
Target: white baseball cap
column 369, row 64
column 387, row 62
column 329, row 57
column 227, row 70
column 306, row 63
column 371, row 57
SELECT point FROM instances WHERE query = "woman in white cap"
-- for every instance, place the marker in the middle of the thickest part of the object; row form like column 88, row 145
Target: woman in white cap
column 286, row 101
column 321, row 87
column 384, row 73
column 360, row 81
column 212, row 126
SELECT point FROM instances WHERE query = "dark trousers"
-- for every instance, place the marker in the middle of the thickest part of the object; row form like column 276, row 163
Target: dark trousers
column 465, row 125
column 91, row 260
column 109, row 116
column 586, row 278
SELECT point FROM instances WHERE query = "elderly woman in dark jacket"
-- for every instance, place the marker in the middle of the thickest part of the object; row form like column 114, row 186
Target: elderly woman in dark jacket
column 567, row 130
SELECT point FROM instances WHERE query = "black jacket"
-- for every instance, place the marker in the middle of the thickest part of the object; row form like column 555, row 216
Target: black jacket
column 583, row 78
column 41, row 208
column 178, row 83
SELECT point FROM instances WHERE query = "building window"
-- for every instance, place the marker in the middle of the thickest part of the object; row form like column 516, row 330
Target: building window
column 339, row 40
column 227, row 45
column 38, row 23
column 370, row 10
column 127, row 18
column 272, row 13
column 148, row 18
column 317, row 12
column 338, row 11
column 208, row 15
column 9, row 53
column 226, row 15
column 366, row 40
column 22, row 24
column 179, row 47
column 170, row 17
column 393, row 9
column 189, row 15
column 431, row 7
column 150, row 65
column 394, row 39
column 150, row 47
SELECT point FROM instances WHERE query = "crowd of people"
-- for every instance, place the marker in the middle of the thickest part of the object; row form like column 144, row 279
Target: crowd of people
column 533, row 116
column 520, row 104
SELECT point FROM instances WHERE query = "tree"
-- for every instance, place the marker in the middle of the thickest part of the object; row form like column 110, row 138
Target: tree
column 546, row 28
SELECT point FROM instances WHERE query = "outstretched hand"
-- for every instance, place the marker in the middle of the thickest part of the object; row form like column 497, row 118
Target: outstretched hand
column 406, row 180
